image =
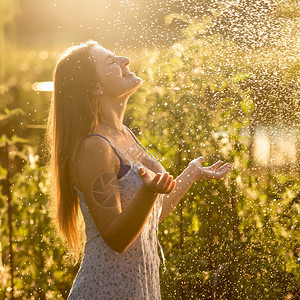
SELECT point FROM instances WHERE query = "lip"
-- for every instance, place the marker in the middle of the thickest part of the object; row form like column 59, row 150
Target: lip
column 128, row 73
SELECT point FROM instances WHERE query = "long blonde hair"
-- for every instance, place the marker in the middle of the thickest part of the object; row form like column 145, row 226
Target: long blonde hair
column 73, row 115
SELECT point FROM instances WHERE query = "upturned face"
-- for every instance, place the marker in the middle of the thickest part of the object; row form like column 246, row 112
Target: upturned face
column 115, row 79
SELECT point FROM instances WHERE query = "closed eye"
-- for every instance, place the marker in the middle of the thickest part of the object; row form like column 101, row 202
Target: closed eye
column 110, row 60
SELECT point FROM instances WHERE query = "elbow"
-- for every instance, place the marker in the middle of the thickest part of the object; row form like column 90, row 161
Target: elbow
column 117, row 248
column 116, row 240
column 121, row 250
column 115, row 244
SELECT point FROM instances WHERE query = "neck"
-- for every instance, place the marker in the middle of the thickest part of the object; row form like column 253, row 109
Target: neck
column 112, row 111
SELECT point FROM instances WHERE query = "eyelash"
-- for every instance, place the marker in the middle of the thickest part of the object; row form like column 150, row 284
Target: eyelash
column 111, row 62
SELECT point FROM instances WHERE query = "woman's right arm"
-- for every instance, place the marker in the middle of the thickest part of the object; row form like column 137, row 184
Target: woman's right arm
column 97, row 167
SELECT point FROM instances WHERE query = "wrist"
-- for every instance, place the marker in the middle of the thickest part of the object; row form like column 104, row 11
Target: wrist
column 190, row 173
column 148, row 192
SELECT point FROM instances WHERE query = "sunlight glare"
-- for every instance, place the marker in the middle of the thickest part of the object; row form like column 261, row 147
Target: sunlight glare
column 45, row 86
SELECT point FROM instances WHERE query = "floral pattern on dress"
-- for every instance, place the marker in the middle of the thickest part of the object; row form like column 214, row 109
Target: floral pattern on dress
column 106, row 274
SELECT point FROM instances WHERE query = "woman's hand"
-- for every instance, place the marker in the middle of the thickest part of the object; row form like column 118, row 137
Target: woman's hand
column 216, row 171
column 159, row 184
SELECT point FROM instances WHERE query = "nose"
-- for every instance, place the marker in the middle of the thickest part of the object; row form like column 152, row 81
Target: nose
column 124, row 61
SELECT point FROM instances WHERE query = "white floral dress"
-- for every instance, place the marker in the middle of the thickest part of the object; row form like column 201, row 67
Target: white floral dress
column 107, row 274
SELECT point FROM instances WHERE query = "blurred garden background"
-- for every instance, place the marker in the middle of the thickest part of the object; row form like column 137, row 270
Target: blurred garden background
column 221, row 80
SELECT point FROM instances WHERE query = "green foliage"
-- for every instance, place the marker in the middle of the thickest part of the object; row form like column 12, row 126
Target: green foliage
column 199, row 103
column 41, row 264
column 8, row 12
column 198, row 99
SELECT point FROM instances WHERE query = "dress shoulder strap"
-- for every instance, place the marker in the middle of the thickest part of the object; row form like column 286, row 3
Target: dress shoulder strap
column 139, row 142
column 115, row 149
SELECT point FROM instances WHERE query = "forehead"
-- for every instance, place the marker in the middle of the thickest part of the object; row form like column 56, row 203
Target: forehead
column 100, row 54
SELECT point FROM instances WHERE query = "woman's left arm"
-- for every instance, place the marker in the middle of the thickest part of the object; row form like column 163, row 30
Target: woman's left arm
column 194, row 172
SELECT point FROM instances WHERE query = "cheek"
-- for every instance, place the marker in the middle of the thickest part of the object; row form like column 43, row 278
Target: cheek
column 112, row 76
column 114, row 71
column 108, row 73
column 113, row 82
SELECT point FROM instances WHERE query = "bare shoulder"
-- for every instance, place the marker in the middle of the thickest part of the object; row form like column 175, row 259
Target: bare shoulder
column 94, row 156
column 96, row 178
column 93, row 146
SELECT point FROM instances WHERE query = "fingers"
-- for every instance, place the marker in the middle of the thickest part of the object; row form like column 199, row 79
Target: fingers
column 160, row 183
column 163, row 182
column 222, row 171
column 216, row 165
column 171, row 187
column 156, row 179
column 227, row 166
column 197, row 161
column 166, row 184
column 143, row 173
column 200, row 159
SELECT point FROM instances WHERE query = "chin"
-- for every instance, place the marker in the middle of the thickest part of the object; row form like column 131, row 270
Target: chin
column 133, row 84
column 139, row 80
column 136, row 82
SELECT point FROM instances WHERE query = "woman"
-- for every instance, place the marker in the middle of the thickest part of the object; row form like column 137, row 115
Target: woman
column 98, row 164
